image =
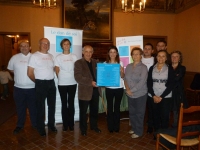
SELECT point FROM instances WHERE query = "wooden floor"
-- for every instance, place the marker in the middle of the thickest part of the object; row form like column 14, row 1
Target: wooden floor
column 29, row 139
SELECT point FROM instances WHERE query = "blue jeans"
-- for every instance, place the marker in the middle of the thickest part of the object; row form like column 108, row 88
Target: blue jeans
column 45, row 89
column 25, row 98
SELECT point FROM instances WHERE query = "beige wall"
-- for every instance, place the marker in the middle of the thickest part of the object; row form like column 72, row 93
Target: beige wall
column 187, row 37
column 29, row 19
column 144, row 24
column 181, row 29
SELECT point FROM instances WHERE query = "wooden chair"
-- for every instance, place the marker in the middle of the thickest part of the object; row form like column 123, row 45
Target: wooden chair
column 180, row 141
column 193, row 96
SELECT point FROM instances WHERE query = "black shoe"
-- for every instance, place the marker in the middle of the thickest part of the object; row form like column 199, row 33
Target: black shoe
column 42, row 133
column 71, row 128
column 64, row 129
column 17, row 130
column 83, row 133
column 149, row 130
column 111, row 131
column 53, row 129
column 117, row 131
column 97, row 130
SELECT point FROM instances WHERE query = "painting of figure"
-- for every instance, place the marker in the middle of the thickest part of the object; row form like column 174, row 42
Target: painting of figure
column 91, row 16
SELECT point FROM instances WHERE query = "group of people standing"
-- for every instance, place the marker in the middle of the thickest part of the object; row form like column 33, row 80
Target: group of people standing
column 156, row 81
column 143, row 80
column 165, row 86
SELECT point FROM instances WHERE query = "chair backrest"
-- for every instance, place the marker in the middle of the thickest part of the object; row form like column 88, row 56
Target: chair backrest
column 195, row 85
column 191, row 120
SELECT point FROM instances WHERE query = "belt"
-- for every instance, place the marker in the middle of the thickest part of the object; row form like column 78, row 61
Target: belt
column 44, row 80
column 159, row 80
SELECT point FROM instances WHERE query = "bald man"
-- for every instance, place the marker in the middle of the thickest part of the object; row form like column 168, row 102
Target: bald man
column 24, row 88
column 41, row 71
column 88, row 94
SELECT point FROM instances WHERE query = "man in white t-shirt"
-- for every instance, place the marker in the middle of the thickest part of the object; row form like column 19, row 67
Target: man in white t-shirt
column 41, row 71
column 24, row 88
column 148, row 60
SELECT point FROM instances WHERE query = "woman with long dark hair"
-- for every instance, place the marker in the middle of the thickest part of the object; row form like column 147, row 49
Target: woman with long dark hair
column 113, row 115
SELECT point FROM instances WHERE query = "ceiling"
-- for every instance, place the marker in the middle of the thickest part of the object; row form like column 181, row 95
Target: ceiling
column 155, row 6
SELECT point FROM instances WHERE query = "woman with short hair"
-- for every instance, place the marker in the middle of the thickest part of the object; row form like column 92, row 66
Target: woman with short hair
column 136, row 89
column 64, row 67
column 160, row 85
column 178, row 95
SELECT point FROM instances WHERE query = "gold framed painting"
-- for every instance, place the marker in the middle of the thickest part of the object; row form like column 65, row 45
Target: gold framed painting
column 94, row 17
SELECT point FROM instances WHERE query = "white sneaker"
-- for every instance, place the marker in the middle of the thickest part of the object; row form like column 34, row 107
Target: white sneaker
column 131, row 132
column 134, row 136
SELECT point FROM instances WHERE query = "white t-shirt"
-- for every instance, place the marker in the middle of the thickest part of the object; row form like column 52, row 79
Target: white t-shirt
column 18, row 63
column 43, row 65
column 66, row 65
column 121, row 80
column 148, row 61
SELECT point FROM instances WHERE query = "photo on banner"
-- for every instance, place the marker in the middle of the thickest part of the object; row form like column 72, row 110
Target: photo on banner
column 59, row 39
column 125, row 45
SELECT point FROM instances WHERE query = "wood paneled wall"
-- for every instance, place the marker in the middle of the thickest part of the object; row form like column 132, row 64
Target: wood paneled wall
column 100, row 49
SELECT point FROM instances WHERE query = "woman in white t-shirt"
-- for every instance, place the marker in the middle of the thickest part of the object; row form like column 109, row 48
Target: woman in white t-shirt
column 64, row 67
column 113, row 115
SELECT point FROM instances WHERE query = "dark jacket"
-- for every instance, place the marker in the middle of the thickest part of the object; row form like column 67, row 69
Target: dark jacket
column 169, row 84
column 84, row 78
column 178, row 94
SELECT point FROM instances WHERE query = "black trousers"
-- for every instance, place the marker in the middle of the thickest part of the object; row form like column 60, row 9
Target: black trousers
column 67, row 94
column 150, row 112
column 161, row 113
column 113, row 113
column 45, row 89
column 93, row 113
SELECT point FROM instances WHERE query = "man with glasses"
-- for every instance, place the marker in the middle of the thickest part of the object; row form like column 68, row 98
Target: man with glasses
column 24, row 88
column 41, row 71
